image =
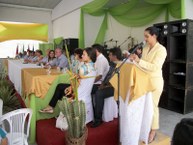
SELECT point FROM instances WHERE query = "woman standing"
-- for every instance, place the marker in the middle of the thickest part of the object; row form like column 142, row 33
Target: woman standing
column 152, row 60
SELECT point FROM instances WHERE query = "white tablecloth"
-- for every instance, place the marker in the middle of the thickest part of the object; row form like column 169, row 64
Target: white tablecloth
column 14, row 72
column 135, row 119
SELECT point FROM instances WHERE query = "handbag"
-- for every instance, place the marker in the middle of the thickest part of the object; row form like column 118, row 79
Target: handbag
column 61, row 122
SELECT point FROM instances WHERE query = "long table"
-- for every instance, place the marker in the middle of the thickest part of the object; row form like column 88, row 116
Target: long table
column 14, row 72
column 40, row 88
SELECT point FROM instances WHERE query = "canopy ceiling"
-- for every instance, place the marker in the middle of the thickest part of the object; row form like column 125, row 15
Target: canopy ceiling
column 48, row 4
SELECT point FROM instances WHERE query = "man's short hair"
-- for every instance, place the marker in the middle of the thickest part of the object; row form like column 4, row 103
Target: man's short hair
column 116, row 52
column 183, row 132
column 98, row 47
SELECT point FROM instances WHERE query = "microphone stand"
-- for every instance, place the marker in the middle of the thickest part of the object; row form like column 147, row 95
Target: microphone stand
column 124, row 41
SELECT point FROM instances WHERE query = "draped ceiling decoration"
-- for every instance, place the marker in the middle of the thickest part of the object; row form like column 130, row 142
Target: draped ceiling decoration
column 33, row 31
column 131, row 13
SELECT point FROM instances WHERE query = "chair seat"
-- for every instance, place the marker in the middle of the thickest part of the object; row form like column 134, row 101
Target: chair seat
column 110, row 110
column 17, row 138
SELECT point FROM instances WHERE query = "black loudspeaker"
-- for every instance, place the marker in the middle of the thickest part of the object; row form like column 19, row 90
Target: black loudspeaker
column 72, row 44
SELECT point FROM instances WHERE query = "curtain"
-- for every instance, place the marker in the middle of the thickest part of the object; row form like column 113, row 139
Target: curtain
column 133, row 13
column 58, row 42
column 12, row 31
column 44, row 46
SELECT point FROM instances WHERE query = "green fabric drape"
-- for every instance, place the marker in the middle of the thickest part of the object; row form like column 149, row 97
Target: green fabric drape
column 81, row 31
column 134, row 13
column 44, row 46
column 58, row 42
column 102, row 31
column 159, row 1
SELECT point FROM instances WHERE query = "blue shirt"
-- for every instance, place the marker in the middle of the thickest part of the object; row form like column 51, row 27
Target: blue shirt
column 2, row 133
column 86, row 68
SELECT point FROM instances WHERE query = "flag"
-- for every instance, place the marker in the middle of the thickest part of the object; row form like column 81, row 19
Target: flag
column 33, row 47
column 28, row 49
column 23, row 49
column 17, row 50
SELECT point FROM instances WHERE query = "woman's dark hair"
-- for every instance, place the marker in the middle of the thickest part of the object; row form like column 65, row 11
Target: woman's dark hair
column 155, row 31
column 98, row 47
column 79, row 52
column 183, row 132
column 39, row 51
column 116, row 52
column 91, row 53
column 49, row 58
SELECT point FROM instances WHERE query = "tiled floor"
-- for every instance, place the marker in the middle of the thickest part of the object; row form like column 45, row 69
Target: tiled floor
column 169, row 119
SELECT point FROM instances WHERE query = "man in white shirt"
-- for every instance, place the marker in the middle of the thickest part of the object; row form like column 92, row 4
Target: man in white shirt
column 101, row 65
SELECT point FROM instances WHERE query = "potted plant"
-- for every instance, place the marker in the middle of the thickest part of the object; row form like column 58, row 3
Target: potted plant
column 75, row 112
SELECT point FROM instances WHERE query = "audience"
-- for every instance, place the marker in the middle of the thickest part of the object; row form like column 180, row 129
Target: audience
column 105, row 90
column 89, row 57
column 183, row 132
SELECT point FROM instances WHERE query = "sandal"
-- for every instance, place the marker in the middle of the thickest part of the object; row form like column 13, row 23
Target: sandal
column 46, row 110
column 152, row 139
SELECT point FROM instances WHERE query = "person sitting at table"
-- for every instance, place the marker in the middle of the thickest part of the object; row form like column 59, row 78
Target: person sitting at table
column 89, row 57
column 38, row 57
column 3, row 138
column 60, row 62
column 50, row 58
column 45, row 58
column 31, row 55
column 183, row 132
column 105, row 90
column 77, row 61
column 153, row 57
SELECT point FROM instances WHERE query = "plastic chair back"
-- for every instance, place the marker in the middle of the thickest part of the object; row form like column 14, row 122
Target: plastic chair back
column 16, row 123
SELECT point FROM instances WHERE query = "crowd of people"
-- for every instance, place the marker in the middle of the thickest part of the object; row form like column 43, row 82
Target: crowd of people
column 150, row 58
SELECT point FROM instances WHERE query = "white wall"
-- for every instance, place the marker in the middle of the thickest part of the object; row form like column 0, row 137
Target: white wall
column 21, row 14
column 67, row 26
column 188, row 9
column 67, row 6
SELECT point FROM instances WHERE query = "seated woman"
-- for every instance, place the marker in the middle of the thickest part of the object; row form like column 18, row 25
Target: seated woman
column 89, row 57
column 77, row 61
column 49, row 59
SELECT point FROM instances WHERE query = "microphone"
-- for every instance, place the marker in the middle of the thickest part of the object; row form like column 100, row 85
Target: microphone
column 134, row 49
column 129, row 37
column 109, row 40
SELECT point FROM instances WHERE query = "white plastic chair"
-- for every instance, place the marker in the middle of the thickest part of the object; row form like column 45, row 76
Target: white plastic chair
column 1, row 107
column 110, row 109
column 16, row 123
column 84, row 93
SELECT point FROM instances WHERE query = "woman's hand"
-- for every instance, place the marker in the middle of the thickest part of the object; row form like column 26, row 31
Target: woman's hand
column 134, row 57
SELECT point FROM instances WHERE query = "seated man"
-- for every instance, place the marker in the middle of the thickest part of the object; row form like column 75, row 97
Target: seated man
column 183, row 132
column 105, row 90
column 60, row 62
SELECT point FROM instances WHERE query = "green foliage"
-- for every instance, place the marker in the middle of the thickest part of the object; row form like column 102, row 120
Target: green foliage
column 75, row 113
column 10, row 101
